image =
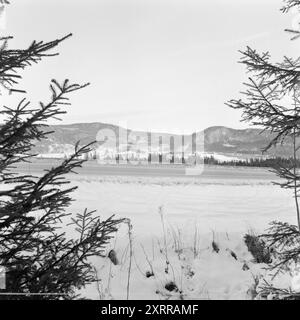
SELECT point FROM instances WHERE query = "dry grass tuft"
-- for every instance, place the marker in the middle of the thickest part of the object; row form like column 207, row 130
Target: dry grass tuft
column 257, row 248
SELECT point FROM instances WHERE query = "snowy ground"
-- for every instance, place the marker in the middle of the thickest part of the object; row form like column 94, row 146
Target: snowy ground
column 194, row 214
column 175, row 219
column 219, row 205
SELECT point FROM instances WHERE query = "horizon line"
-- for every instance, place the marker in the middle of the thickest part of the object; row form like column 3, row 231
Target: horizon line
column 144, row 130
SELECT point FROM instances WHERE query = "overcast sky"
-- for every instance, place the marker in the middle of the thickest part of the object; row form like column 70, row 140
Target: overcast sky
column 164, row 65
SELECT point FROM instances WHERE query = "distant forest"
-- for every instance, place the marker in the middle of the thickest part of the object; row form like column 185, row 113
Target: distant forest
column 254, row 162
column 211, row 160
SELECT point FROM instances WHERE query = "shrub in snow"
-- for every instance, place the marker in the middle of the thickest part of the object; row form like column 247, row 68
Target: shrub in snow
column 257, row 248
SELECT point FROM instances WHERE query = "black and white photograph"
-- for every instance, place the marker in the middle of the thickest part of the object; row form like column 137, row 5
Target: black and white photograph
column 149, row 151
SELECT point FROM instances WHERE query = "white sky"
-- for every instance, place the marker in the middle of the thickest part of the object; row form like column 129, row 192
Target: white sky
column 164, row 65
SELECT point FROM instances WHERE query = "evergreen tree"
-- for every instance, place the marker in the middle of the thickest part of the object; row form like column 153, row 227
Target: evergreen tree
column 271, row 101
column 38, row 256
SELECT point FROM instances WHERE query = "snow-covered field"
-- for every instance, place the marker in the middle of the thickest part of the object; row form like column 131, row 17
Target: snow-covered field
column 225, row 206
column 175, row 220
column 193, row 213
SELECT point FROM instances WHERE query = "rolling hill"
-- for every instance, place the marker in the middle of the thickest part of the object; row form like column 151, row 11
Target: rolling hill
column 213, row 140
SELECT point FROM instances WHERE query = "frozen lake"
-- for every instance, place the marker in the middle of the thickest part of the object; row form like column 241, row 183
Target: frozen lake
column 222, row 198
column 92, row 168
column 222, row 204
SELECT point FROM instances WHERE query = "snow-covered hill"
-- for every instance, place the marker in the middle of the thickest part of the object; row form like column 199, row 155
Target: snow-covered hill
column 111, row 140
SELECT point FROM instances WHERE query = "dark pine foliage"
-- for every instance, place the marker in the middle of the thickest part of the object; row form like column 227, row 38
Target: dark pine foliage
column 252, row 162
column 272, row 102
column 38, row 256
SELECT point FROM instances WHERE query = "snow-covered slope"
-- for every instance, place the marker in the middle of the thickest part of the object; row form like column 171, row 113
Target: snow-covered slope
column 111, row 139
